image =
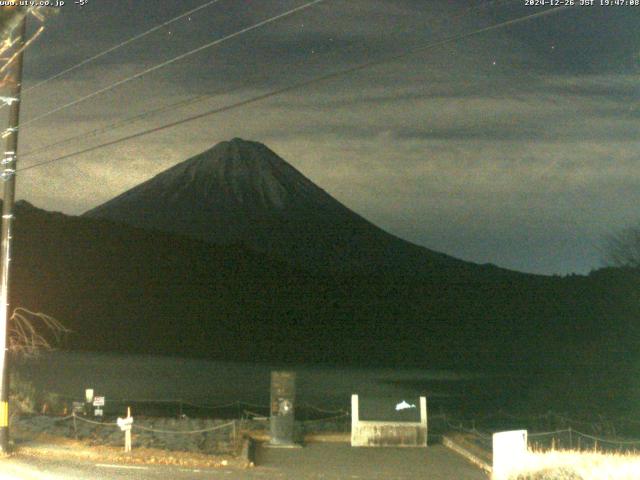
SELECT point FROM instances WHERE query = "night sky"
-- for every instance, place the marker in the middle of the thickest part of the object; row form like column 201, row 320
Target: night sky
column 517, row 147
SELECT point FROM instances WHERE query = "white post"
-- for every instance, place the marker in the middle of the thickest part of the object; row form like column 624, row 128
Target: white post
column 423, row 411
column 354, row 412
column 355, row 418
column 127, row 440
column 125, row 425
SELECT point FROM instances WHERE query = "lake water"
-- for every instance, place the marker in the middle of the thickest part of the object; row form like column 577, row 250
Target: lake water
column 203, row 382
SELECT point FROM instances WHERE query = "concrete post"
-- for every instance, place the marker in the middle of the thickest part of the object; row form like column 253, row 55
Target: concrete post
column 282, row 419
column 354, row 412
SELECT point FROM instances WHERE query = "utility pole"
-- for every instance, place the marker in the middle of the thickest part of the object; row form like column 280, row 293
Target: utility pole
column 8, row 177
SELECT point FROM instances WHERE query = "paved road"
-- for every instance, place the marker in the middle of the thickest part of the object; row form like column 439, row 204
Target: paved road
column 328, row 461
column 333, row 461
column 31, row 468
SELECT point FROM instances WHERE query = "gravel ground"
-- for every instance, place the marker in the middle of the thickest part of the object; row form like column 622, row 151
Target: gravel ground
column 327, row 461
column 49, row 447
column 46, row 438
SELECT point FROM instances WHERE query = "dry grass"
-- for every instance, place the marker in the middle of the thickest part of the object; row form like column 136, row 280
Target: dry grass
column 578, row 465
column 47, row 446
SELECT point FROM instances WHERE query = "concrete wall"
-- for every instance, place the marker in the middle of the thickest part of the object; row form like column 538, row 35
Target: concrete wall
column 388, row 434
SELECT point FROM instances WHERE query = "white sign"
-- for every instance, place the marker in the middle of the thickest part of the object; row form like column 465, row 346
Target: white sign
column 88, row 395
column 403, row 405
column 509, row 452
column 98, row 412
column 98, row 401
column 125, row 423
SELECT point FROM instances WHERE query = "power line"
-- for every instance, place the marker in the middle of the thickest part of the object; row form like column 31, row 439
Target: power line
column 119, row 123
column 180, row 104
column 301, row 84
column 132, row 119
column 121, row 44
column 173, row 60
column 18, row 52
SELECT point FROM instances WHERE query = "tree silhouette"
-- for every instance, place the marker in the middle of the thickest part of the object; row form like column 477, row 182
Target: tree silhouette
column 30, row 332
column 623, row 248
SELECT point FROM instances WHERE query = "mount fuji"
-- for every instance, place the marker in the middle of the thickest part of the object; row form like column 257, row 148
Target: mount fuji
column 241, row 192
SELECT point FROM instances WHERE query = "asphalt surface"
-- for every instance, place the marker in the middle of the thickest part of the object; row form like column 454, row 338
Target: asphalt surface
column 329, row 461
column 333, row 461
column 31, row 468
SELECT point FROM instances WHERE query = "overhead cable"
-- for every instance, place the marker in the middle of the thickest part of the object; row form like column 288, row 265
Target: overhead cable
column 170, row 61
column 120, row 45
column 295, row 86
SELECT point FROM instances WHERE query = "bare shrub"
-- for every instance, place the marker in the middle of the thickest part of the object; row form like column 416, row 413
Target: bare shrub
column 31, row 332
column 623, row 248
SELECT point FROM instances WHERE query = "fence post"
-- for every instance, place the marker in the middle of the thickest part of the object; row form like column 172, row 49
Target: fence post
column 75, row 426
column 127, row 434
column 125, row 425
column 570, row 439
column 236, row 443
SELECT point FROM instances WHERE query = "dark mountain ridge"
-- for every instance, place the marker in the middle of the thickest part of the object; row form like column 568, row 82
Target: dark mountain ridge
column 127, row 289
